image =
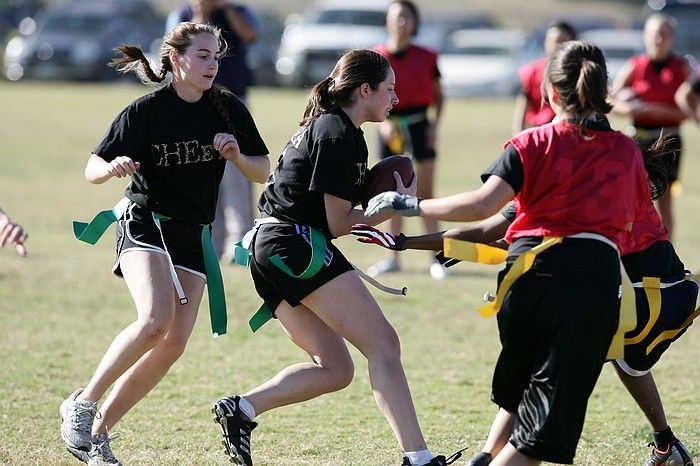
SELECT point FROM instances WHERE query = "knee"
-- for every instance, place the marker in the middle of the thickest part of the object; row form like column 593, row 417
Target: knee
column 173, row 348
column 341, row 372
column 154, row 329
column 387, row 345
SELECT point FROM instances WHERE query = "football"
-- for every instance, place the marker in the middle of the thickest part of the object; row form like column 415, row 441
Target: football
column 380, row 177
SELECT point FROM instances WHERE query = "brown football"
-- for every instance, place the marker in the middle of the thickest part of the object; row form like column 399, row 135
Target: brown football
column 380, row 177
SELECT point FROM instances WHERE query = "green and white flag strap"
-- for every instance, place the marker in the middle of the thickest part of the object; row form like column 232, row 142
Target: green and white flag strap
column 242, row 255
column 91, row 233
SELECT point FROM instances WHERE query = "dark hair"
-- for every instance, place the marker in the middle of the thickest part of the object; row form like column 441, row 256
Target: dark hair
column 352, row 70
column 566, row 28
column 178, row 39
column 578, row 73
column 658, row 160
column 414, row 11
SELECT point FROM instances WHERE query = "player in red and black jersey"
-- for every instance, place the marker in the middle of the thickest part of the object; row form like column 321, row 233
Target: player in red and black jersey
column 687, row 97
column 644, row 89
column 579, row 182
column 530, row 108
column 409, row 129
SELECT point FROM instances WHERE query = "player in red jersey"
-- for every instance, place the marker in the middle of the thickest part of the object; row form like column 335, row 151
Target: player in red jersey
column 644, row 89
column 409, row 129
column 530, row 107
column 687, row 97
column 580, row 183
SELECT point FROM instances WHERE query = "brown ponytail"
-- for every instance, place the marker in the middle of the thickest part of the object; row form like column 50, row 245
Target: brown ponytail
column 217, row 95
column 352, row 70
column 578, row 72
column 658, row 160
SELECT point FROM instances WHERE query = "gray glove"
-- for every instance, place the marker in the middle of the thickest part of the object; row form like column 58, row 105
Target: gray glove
column 402, row 204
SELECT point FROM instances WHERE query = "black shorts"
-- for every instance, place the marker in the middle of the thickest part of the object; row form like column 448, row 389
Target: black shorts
column 415, row 141
column 556, row 325
column 137, row 231
column 647, row 137
column 293, row 244
column 677, row 304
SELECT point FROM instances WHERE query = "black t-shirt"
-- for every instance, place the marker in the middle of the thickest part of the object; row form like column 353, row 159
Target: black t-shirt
column 696, row 86
column 172, row 139
column 329, row 156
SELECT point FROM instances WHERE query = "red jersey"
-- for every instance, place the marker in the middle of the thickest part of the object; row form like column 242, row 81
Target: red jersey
column 531, row 75
column 573, row 185
column 416, row 71
column 652, row 86
column 645, row 232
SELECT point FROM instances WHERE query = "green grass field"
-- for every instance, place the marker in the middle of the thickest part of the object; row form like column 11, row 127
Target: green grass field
column 60, row 308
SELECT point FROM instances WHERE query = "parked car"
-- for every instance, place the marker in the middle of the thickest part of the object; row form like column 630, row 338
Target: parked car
column 75, row 40
column 312, row 45
column 436, row 26
column 480, row 62
column 262, row 54
column 618, row 45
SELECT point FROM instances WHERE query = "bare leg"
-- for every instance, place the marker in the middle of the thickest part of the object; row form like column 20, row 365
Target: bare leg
column 665, row 207
column 509, row 456
column 330, row 369
column 148, row 277
column 347, row 308
column 425, row 171
column 143, row 376
column 500, row 431
column 643, row 390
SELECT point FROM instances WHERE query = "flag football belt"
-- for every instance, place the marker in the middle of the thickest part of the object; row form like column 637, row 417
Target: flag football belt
column 652, row 289
column 242, row 253
column 485, row 254
column 93, row 231
column 397, row 144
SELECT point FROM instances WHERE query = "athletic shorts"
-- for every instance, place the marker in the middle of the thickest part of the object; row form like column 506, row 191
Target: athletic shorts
column 415, row 142
column 647, row 137
column 556, row 325
column 137, row 231
column 677, row 304
column 292, row 242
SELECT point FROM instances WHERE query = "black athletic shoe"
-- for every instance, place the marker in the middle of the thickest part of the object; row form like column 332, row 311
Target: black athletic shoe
column 439, row 460
column 235, row 429
column 676, row 454
column 480, row 459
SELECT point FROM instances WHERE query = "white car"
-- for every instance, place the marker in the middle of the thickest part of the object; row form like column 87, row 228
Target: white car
column 618, row 45
column 480, row 62
column 311, row 46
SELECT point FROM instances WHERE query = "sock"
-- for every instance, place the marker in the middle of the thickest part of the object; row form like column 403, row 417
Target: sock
column 664, row 438
column 419, row 458
column 246, row 408
column 83, row 401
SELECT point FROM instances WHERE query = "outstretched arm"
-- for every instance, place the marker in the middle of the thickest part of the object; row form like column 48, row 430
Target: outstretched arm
column 463, row 207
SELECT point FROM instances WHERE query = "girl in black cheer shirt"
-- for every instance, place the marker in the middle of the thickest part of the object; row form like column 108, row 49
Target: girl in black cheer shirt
column 309, row 200
column 174, row 144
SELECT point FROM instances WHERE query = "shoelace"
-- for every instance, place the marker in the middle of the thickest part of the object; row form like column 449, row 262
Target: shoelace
column 454, row 457
column 104, row 448
column 82, row 417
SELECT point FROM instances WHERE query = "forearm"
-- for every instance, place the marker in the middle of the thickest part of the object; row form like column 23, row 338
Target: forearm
column 462, row 207
column 97, row 170
column 255, row 168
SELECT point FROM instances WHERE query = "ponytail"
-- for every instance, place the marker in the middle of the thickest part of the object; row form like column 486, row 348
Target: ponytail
column 658, row 160
column 217, row 95
column 133, row 59
column 318, row 102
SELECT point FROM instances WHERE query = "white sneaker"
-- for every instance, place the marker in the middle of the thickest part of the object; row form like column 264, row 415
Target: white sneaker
column 382, row 267
column 76, row 421
column 101, row 452
column 438, row 271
